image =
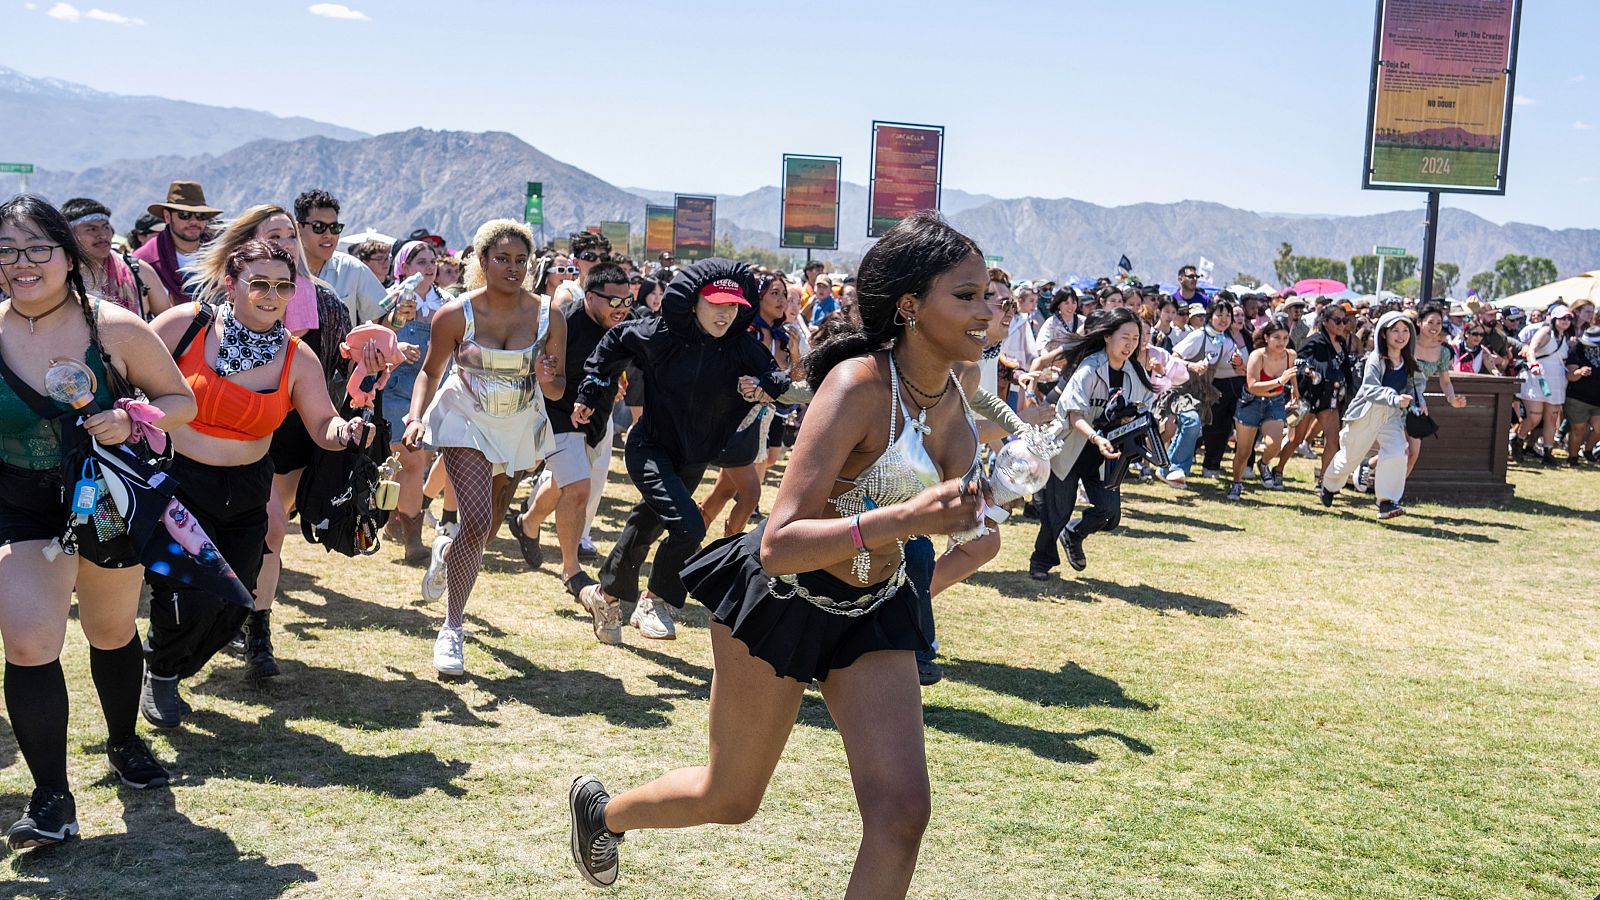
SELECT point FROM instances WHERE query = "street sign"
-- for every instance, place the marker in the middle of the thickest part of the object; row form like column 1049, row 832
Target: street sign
column 17, row 168
column 1389, row 251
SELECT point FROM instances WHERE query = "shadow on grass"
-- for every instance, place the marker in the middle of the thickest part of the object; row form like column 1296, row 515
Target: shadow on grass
column 685, row 679
column 345, row 698
column 1534, row 507
column 1141, row 515
column 568, row 693
column 1176, row 536
column 8, row 747
column 161, row 855
column 1064, row 747
column 1440, row 534
column 341, row 611
column 1072, row 686
column 1158, row 599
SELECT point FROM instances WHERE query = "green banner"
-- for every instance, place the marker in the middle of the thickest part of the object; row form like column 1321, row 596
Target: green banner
column 533, row 206
column 810, row 217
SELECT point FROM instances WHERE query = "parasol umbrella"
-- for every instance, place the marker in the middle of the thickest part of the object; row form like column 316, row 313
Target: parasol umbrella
column 1325, row 286
column 1568, row 290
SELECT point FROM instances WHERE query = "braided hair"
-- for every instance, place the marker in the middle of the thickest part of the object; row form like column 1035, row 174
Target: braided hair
column 906, row 260
column 49, row 220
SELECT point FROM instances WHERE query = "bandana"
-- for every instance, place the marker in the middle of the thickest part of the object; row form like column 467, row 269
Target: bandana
column 91, row 217
column 239, row 349
column 992, row 352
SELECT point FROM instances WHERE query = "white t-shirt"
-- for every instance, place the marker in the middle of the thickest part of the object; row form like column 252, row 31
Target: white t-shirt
column 355, row 284
column 567, row 292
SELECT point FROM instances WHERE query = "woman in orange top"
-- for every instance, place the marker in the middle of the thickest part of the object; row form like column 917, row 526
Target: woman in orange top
column 247, row 374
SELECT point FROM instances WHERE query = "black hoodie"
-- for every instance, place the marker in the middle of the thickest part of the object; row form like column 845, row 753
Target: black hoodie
column 691, row 380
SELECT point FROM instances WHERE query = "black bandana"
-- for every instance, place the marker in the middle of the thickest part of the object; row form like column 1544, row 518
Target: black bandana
column 239, row 349
column 991, row 352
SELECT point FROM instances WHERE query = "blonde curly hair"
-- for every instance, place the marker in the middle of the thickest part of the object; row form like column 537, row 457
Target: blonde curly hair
column 489, row 234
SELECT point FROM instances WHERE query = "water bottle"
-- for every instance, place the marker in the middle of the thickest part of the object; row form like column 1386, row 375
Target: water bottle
column 401, row 291
column 1544, row 385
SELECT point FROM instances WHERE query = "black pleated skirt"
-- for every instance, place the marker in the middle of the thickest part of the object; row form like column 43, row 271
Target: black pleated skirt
column 796, row 638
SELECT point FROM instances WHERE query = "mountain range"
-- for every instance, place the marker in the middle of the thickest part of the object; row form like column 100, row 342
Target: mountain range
column 451, row 182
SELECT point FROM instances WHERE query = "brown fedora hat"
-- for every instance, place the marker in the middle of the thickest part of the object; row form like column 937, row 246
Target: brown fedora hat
column 186, row 196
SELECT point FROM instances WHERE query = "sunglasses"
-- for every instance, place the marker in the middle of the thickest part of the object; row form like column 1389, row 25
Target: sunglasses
column 591, row 256
column 615, row 302
column 39, row 253
column 323, row 227
column 261, row 287
column 186, row 216
column 563, row 270
column 1477, row 334
column 1341, row 320
column 1187, row 275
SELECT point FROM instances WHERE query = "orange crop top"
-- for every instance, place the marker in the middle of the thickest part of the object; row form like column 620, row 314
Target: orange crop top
column 227, row 410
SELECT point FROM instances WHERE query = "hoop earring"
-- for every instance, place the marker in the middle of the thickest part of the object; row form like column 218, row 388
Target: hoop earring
column 899, row 317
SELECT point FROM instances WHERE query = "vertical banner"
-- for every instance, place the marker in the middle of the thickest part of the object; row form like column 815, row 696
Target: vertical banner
column 658, row 230
column 618, row 234
column 907, row 171
column 810, row 214
column 694, row 227
column 1439, row 103
column 533, row 204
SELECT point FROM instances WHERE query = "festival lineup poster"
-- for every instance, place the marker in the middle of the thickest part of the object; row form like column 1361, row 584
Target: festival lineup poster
column 694, row 227
column 810, row 202
column 906, row 167
column 658, row 230
column 1441, row 107
column 618, row 233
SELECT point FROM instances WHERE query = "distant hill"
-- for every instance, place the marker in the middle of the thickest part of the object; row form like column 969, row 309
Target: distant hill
column 70, row 126
column 453, row 181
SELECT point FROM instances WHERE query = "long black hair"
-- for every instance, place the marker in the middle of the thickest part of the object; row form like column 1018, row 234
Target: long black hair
column 1096, row 331
column 37, row 210
column 906, row 260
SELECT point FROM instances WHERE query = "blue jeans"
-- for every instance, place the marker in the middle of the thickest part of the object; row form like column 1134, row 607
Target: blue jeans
column 1184, row 441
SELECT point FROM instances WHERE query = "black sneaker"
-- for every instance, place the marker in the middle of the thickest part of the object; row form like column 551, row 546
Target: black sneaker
column 1388, row 509
column 1325, row 495
column 50, row 818
column 133, row 762
column 1074, row 547
column 532, row 553
column 577, row 583
column 259, row 661
column 929, row 672
column 594, row 848
column 159, row 702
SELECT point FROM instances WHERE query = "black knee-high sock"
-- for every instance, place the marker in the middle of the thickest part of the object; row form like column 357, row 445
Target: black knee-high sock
column 36, row 703
column 118, row 678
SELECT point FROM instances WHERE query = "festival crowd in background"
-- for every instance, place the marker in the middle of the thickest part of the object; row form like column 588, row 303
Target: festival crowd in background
column 287, row 369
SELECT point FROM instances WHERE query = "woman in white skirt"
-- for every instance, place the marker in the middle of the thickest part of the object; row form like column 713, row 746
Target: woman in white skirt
column 1544, row 385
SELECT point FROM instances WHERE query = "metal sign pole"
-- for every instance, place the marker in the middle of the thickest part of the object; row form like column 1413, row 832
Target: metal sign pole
column 1429, row 239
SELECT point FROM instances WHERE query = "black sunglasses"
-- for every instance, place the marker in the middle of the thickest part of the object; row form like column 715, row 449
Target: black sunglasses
column 185, row 216
column 615, row 302
column 323, row 227
column 591, row 256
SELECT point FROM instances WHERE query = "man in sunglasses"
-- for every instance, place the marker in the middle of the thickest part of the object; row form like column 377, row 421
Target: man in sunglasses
column 1189, row 288
column 317, row 213
column 566, row 485
column 588, row 250
column 185, row 215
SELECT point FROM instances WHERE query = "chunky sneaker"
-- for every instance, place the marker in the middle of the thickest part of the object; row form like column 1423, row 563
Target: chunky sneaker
column 594, row 847
column 50, row 818
column 607, row 613
column 1074, row 547
column 133, row 762
column 159, row 701
column 1388, row 509
column 1264, row 472
column 259, row 661
column 450, row 651
column 434, row 580
column 1277, row 481
column 1325, row 495
column 1177, row 479
column 653, row 617
column 1236, row 492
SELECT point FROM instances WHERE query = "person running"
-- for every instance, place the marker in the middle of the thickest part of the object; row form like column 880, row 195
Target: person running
column 820, row 590
column 1544, row 386
column 125, row 281
column 1270, row 385
column 1103, row 362
column 176, row 246
column 1583, row 397
column 49, row 315
column 248, row 373
column 1327, row 381
column 692, row 356
column 1435, row 359
column 1376, row 415
column 486, row 419
column 1215, row 386
column 317, row 214
column 577, row 451
column 411, row 319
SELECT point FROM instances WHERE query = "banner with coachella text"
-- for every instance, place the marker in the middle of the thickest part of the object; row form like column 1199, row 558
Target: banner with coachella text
column 810, row 214
column 1439, row 110
column 907, row 169
column 694, row 227
column 658, row 230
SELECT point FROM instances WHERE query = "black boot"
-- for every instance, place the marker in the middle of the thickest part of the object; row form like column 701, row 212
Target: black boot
column 259, row 662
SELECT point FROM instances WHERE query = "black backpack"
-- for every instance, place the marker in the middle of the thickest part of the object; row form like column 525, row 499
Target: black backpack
column 337, row 497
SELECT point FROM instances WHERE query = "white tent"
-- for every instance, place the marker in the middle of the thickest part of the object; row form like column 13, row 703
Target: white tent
column 1568, row 290
column 349, row 240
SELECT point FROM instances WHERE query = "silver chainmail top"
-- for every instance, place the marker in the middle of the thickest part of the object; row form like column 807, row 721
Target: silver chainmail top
column 853, row 607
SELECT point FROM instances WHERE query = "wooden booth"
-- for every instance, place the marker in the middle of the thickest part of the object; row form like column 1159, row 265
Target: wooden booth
column 1466, row 462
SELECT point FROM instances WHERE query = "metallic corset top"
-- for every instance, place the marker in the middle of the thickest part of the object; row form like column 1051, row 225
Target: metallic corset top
column 905, row 469
column 503, row 382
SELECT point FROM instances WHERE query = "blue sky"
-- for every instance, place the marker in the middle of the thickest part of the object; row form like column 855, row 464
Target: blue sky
column 1253, row 103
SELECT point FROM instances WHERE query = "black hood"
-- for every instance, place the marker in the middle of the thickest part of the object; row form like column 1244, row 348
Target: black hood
column 677, row 304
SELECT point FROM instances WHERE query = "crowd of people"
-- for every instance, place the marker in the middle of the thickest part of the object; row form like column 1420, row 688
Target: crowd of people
column 513, row 368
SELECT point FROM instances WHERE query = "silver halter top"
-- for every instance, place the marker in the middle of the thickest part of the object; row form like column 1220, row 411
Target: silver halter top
column 503, row 382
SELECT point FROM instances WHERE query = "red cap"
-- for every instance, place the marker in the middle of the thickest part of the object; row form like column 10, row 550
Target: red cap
column 724, row 290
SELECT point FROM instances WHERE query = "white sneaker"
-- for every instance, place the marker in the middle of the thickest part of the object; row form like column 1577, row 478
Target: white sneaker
column 607, row 613
column 1306, row 451
column 434, row 581
column 1177, row 479
column 449, row 651
column 653, row 617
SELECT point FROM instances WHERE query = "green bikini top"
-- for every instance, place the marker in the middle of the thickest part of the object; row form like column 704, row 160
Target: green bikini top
column 29, row 442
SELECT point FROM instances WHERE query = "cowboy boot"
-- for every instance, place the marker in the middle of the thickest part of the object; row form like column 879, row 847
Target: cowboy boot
column 411, row 538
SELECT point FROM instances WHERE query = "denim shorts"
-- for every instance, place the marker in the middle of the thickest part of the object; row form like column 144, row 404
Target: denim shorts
column 1255, row 410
